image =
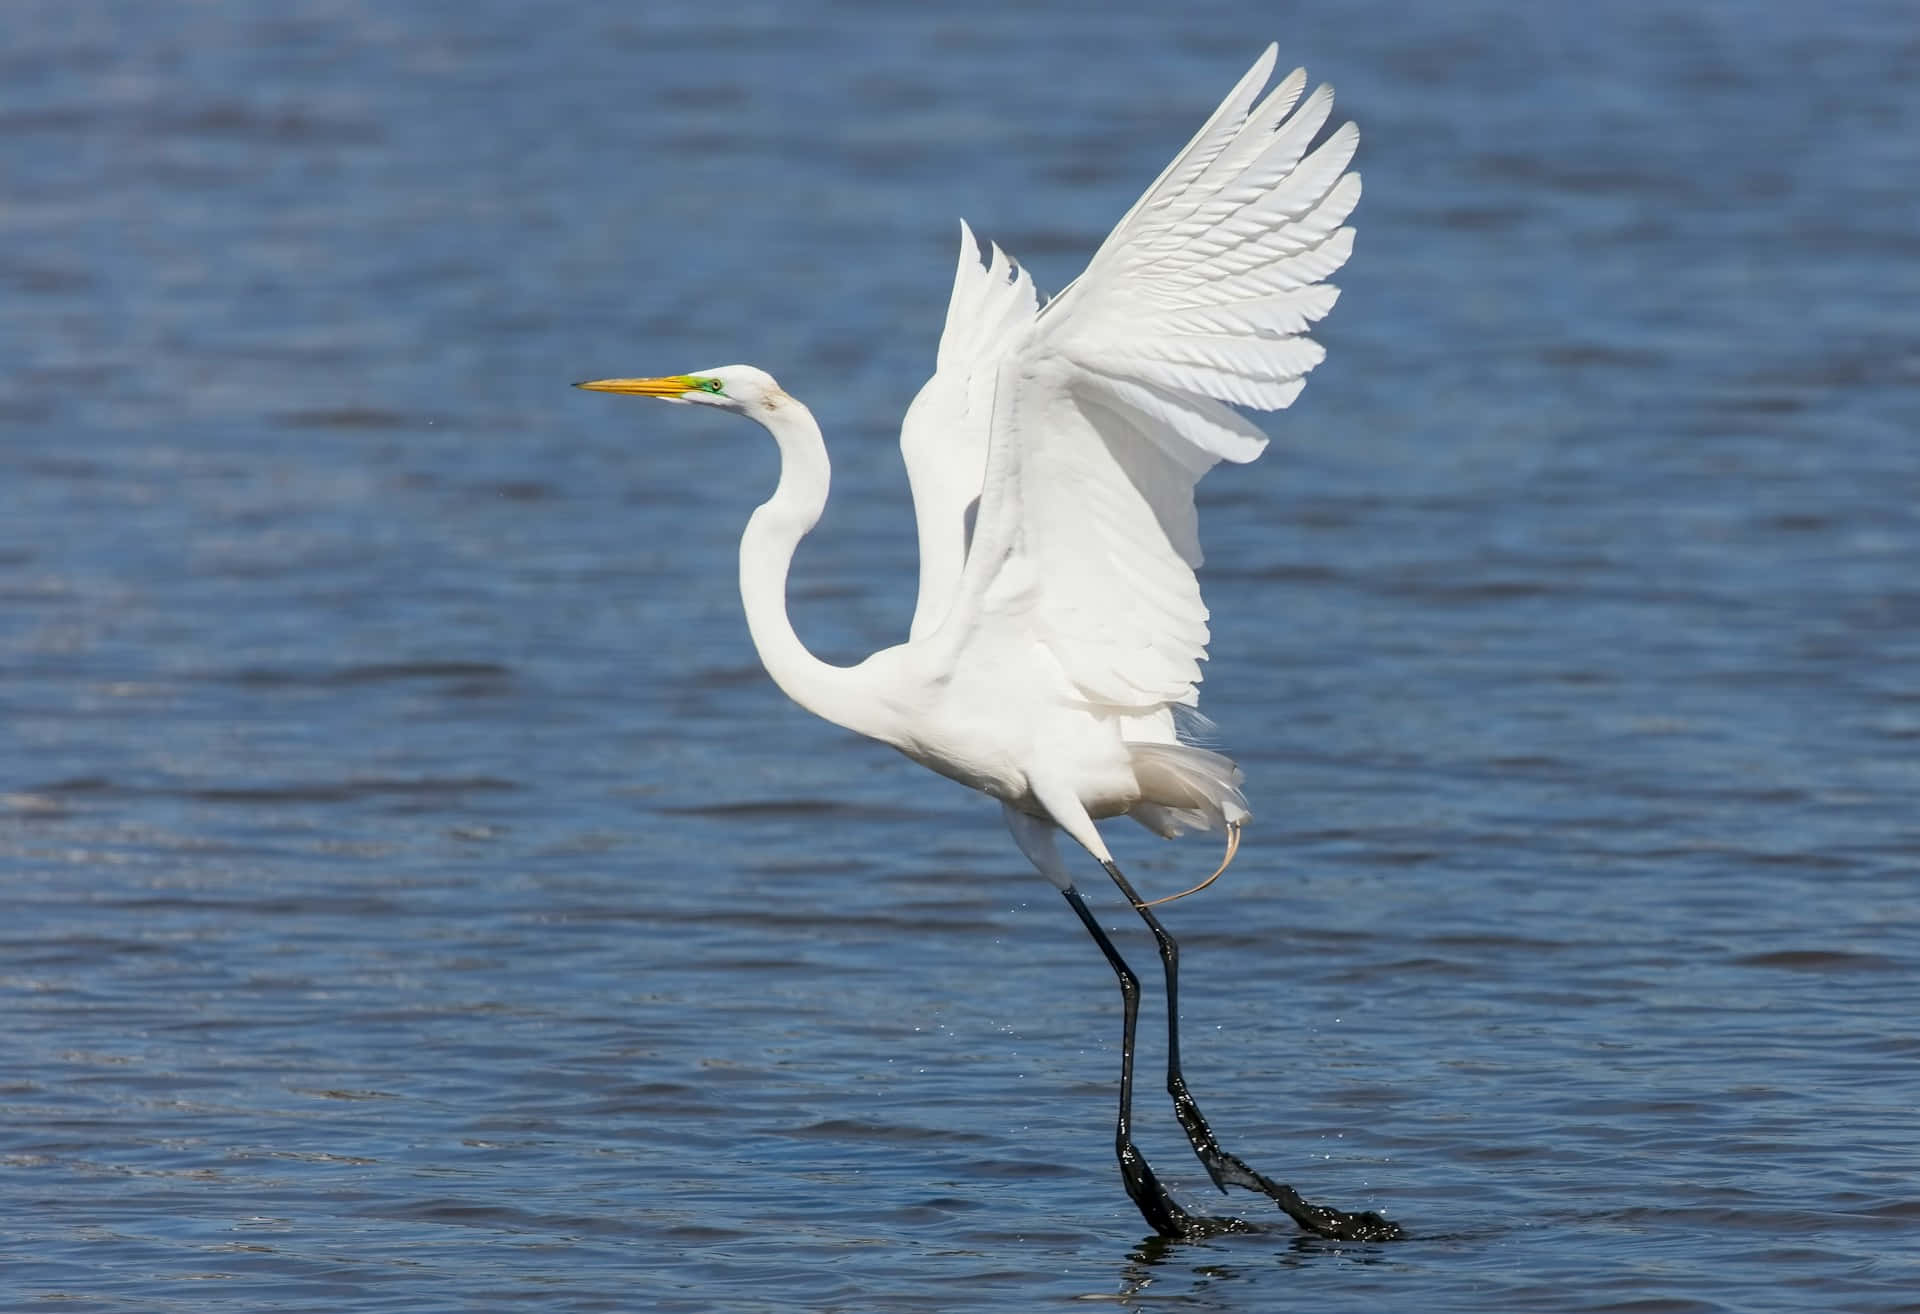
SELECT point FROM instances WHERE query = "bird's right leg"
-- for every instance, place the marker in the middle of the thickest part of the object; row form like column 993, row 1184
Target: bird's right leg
column 1036, row 841
column 1035, row 838
column 1229, row 1169
column 1151, row 1198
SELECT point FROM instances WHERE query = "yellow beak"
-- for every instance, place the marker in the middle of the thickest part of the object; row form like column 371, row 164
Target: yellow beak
column 673, row 385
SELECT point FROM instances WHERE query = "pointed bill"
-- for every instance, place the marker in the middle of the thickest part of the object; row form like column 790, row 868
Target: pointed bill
column 671, row 385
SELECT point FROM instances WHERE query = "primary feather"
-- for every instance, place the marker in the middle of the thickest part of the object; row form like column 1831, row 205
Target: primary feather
column 944, row 436
column 1083, row 427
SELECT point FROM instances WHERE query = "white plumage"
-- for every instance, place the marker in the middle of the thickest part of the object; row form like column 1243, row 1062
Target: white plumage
column 1053, row 457
column 1202, row 294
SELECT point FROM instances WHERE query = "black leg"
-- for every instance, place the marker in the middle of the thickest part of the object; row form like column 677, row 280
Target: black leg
column 1225, row 1169
column 1155, row 1205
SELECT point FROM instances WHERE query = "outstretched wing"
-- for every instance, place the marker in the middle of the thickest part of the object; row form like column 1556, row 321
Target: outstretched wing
column 1111, row 405
column 944, row 437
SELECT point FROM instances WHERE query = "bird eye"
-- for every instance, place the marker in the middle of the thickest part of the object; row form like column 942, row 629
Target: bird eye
column 710, row 385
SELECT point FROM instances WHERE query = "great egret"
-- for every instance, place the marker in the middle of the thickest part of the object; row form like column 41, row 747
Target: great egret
column 1052, row 457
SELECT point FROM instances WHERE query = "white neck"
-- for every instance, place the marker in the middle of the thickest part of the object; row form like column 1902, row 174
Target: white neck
column 836, row 693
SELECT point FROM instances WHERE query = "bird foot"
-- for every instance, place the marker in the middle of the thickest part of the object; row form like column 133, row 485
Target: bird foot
column 1340, row 1225
column 1321, row 1220
column 1201, row 1226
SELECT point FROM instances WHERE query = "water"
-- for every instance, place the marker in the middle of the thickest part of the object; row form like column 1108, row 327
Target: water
column 417, row 899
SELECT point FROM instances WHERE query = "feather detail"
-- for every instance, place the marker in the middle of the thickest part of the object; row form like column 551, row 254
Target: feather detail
column 1086, row 422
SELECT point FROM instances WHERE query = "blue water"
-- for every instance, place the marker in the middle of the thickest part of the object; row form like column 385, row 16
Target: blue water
column 417, row 899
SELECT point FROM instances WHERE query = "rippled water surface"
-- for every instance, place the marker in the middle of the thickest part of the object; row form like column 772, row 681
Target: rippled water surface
column 417, row 899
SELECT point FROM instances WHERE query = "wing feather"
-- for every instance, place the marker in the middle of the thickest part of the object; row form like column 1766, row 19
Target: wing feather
column 1088, row 423
column 943, row 439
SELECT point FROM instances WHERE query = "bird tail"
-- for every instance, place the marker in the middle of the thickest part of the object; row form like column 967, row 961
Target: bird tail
column 1185, row 788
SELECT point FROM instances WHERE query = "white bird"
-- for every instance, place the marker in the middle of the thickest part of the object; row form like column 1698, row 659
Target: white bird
column 1052, row 457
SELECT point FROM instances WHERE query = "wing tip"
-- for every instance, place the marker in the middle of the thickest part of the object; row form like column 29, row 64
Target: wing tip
column 969, row 247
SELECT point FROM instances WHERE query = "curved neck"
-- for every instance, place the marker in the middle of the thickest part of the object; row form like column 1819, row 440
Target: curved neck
column 836, row 693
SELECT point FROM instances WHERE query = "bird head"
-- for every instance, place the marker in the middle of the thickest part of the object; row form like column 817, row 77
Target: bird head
column 731, row 387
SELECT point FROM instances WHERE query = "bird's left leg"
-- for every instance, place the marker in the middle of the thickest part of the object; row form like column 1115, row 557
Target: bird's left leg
column 1227, row 1169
